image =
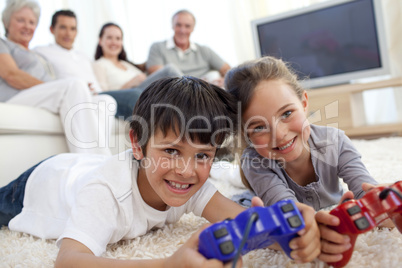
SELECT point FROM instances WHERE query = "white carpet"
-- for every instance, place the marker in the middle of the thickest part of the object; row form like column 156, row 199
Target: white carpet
column 378, row 248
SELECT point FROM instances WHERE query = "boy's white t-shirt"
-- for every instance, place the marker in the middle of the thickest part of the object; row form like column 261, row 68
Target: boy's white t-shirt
column 95, row 200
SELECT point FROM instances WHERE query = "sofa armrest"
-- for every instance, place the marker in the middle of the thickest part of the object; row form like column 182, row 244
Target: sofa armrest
column 25, row 119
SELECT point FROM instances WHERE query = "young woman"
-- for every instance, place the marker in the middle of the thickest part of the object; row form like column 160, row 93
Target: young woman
column 119, row 77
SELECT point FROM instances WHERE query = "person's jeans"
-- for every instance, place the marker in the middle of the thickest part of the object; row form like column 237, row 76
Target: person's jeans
column 12, row 197
column 127, row 98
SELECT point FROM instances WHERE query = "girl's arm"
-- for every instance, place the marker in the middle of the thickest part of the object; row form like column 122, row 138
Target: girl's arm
column 267, row 185
column 15, row 77
column 351, row 168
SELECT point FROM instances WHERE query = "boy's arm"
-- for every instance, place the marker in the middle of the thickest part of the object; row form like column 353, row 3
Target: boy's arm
column 220, row 208
column 74, row 254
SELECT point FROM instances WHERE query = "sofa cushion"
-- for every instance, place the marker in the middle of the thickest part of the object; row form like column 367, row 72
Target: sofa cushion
column 22, row 119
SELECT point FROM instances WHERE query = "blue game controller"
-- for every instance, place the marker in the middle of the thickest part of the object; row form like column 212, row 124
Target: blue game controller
column 254, row 228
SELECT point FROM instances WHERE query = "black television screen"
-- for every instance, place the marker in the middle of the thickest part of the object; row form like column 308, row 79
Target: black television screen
column 331, row 43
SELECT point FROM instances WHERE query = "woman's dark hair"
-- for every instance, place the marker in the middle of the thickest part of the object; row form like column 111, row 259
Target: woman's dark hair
column 194, row 109
column 122, row 55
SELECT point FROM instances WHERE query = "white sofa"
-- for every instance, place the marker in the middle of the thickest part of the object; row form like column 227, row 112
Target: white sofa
column 29, row 135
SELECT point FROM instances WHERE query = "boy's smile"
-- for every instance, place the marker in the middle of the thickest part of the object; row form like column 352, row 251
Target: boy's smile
column 173, row 169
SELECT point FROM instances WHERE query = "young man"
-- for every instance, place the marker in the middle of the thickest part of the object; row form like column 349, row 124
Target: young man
column 89, row 202
column 68, row 62
column 191, row 58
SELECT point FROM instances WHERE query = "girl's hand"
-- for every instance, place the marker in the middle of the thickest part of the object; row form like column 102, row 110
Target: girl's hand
column 306, row 247
column 388, row 223
column 333, row 244
column 368, row 186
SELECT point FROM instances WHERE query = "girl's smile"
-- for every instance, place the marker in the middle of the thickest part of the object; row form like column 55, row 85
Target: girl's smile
column 289, row 146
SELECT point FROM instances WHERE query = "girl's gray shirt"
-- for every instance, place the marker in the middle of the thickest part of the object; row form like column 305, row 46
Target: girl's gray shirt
column 333, row 156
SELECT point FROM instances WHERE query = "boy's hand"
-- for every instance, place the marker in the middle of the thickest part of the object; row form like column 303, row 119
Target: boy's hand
column 333, row 244
column 188, row 255
column 256, row 202
column 306, row 247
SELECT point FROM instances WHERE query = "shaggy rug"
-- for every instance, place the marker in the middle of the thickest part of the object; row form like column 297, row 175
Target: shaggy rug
column 377, row 248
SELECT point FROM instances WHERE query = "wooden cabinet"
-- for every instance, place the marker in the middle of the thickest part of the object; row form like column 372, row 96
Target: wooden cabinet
column 343, row 107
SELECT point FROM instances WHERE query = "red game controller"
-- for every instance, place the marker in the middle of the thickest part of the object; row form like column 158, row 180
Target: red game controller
column 360, row 216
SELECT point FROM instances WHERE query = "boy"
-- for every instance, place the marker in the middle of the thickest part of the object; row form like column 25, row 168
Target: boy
column 89, row 201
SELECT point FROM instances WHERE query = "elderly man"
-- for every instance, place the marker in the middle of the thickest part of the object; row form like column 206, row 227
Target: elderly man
column 191, row 58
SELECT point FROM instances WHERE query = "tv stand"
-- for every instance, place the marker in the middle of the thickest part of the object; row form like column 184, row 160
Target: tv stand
column 342, row 106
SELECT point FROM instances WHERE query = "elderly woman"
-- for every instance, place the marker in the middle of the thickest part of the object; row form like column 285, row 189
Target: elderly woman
column 27, row 79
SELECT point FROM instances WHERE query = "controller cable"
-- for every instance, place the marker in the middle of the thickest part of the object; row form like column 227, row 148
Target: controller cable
column 384, row 193
column 251, row 220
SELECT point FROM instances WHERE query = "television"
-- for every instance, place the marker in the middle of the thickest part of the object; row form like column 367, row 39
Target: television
column 330, row 43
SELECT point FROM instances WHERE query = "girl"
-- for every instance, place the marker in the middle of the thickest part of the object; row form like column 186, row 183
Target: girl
column 286, row 157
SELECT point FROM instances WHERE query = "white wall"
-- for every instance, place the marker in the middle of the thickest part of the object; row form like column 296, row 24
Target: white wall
column 143, row 22
column 224, row 25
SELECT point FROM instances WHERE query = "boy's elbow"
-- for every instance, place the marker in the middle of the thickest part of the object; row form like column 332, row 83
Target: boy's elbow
column 61, row 261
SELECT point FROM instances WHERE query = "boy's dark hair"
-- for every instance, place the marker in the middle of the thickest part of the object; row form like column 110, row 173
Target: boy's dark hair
column 191, row 107
column 64, row 12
